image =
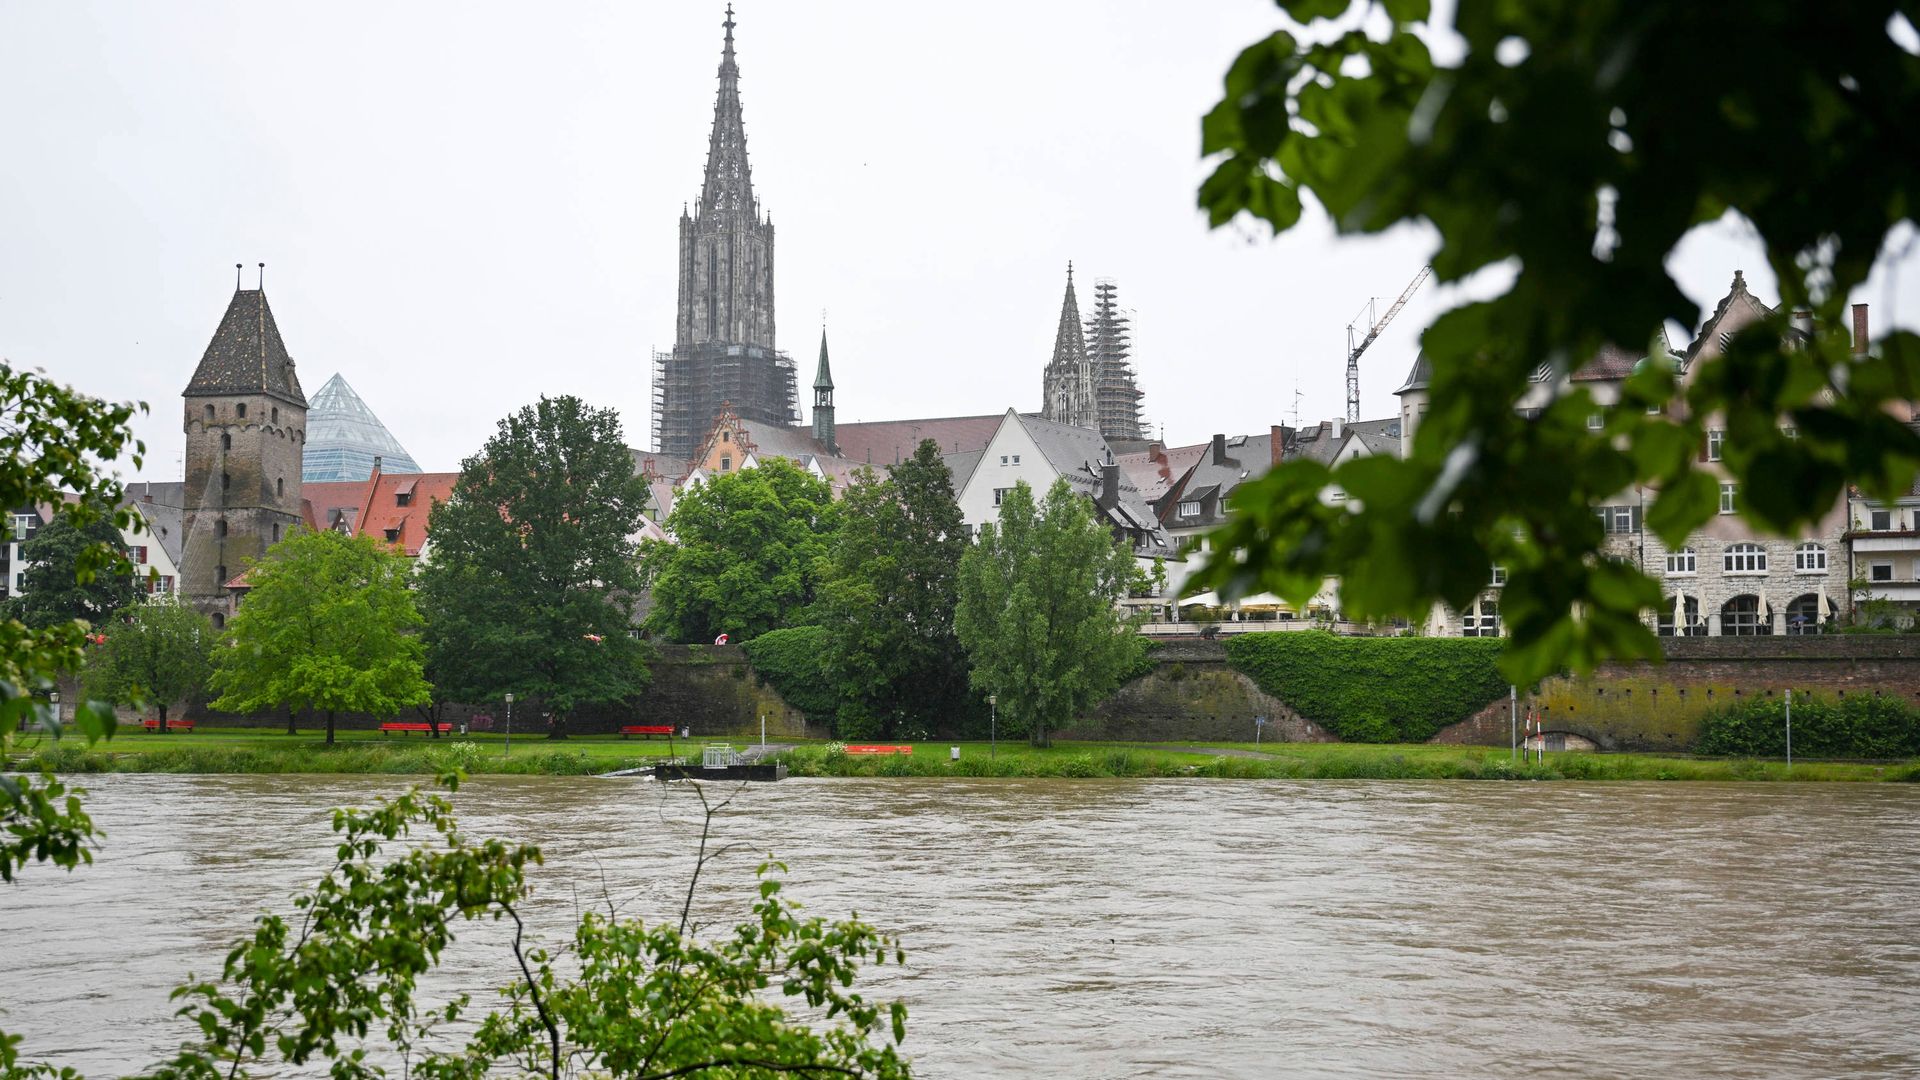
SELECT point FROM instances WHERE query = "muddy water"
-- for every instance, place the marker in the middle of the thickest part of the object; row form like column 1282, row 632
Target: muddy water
column 1119, row 929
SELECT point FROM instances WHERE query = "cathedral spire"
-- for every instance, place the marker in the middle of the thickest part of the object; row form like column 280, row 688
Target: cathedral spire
column 729, row 181
column 1069, row 396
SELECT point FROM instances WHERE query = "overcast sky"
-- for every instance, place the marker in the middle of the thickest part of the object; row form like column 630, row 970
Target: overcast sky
column 464, row 206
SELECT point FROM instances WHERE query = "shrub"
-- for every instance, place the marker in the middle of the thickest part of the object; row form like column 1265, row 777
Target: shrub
column 1373, row 689
column 1861, row 726
column 793, row 662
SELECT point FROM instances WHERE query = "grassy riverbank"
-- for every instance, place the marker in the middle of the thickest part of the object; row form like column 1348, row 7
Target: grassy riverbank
column 260, row 750
column 1317, row 761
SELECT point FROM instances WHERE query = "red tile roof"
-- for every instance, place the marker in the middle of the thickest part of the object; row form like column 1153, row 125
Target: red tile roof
column 887, row 442
column 373, row 507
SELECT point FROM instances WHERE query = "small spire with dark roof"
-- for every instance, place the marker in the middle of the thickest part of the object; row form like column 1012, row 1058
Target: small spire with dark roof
column 823, row 426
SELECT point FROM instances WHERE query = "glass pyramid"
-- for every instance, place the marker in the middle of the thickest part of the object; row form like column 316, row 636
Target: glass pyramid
column 343, row 438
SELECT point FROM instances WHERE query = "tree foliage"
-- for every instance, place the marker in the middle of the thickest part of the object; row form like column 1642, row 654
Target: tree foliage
column 59, row 588
column 889, row 600
column 329, row 624
column 533, row 568
column 748, row 554
column 1561, row 146
column 1856, row 726
column 632, row 999
column 1037, row 611
column 1374, row 689
column 156, row 652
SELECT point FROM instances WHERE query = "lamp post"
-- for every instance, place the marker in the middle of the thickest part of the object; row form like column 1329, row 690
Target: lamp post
column 1789, row 730
column 509, row 749
column 993, row 725
column 53, row 698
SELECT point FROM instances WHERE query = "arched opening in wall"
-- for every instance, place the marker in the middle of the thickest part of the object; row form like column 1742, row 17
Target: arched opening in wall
column 220, row 527
column 280, row 486
column 1558, row 741
column 276, row 414
column 226, row 481
column 209, row 412
column 276, row 534
column 219, row 621
column 1803, row 614
column 221, row 573
column 1741, row 617
column 240, row 410
column 1691, row 624
column 226, row 441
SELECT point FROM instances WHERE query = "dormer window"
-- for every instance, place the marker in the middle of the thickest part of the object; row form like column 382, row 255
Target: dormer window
column 393, row 536
column 404, row 498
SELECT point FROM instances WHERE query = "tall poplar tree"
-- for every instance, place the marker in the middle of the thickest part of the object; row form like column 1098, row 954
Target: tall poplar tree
column 888, row 604
column 533, row 565
column 1038, row 611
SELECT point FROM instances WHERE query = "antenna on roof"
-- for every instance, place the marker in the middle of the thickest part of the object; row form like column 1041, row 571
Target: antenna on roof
column 1296, row 403
column 263, row 277
column 236, row 277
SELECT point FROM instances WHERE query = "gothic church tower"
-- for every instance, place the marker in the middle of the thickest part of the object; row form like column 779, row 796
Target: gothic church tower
column 245, row 419
column 723, row 350
column 1067, row 388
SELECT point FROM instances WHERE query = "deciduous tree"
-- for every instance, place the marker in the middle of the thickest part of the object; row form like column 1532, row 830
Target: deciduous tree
column 888, row 604
column 748, row 554
column 533, row 566
column 1560, row 146
column 329, row 624
column 1038, row 614
column 155, row 652
column 59, row 588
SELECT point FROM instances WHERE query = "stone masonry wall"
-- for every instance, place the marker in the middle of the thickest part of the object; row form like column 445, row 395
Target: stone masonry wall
column 1642, row 706
column 1193, row 695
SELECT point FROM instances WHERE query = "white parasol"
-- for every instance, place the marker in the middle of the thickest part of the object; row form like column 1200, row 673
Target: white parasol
column 1679, row 613
column 1826, row 608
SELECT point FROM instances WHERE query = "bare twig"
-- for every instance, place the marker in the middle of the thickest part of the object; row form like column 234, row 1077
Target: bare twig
column 533, row 989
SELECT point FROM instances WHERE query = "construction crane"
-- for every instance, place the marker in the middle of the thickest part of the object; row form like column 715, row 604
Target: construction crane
column 1354, row 350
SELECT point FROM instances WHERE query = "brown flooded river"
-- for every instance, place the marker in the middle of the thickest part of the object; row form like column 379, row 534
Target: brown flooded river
column 1126, row 928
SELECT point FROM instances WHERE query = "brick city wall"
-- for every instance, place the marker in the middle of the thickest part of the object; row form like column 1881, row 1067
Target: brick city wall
column 1644, row 706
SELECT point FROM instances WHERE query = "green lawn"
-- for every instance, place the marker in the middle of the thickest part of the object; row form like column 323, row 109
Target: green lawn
column 268, row 750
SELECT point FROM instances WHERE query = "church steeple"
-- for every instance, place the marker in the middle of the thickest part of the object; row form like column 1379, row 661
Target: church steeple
column 1068, row 385
column 823, row 399
column 729, row 181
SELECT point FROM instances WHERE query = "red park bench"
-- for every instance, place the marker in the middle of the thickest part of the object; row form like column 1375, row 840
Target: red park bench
column 172, row 725
column 388, row 729
column 649, row 730
column 879, row 749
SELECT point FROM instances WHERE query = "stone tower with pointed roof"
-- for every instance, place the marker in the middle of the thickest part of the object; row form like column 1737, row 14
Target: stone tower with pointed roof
column 246, row 420
column 823, row 400
column 723, row 347
column 1067, row 389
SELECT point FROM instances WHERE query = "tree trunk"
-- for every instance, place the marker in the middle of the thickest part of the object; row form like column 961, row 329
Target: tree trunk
column 329, row 727
column 430, row 712
column 557, row 725
column 291, row 729
column 163, row 718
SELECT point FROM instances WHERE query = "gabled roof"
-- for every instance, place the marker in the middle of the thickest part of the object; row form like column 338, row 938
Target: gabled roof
column 961, row 465
column 164, row 506
column 1077, row 454
column 246, row 355
column 372, row 507
column 888, row 442
column 1157, row 474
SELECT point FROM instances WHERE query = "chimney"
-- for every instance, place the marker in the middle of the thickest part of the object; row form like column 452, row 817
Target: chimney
column 1803, row 322
column 1219, row 449
column 1860, row 336
column 1276, row 443
column 1109, row 496
column 1334, row 428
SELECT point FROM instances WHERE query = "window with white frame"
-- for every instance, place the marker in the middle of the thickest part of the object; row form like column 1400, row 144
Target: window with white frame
column 1000, row 493
column 1877, row 520
column 1596, row 421
column 1499, row 576
column 1880, row 571
column 1746, row 559
column 1482, row 619
column 1617, row 519
column 1190, row 508
column 1810, row 558
column 1684, row 561
column 1716, row 441
column 1016, row 459
column 22, row 523
column 1728, row 494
